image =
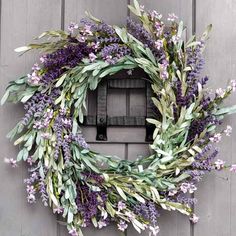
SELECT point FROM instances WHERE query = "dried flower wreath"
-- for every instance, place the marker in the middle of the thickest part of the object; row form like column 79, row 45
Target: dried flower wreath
column 87, row 187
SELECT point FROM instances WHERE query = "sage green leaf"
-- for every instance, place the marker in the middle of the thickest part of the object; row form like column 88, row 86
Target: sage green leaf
column 60, row 80
column 120, row 191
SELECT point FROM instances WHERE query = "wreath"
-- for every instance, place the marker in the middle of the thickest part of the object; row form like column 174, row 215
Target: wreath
column 86, row 187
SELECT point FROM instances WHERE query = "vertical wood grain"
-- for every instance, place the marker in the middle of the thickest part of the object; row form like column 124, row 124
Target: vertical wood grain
column 112, row 12
column 20, row 22
column 170, row 223
column 216, row 193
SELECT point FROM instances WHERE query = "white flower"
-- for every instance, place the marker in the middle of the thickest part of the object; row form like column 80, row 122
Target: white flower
column 172, row 192
column 11, row 161
column 33, row 78
column 154, row 230
column 92, row 57
column 129, row 72
column 233, row 168
column 73, row 232
column 87, row 30
column 233, row 85
column 130, row 215
column 31, row 198
column 101, row 224
column 58, row 210
column 175, row 39
column 121, row 206
column 194, row 218
column 220, row 92
column 154, row 14
column 228, row 130
column 42, row 58
column 122, row 226
column 72, row 26
column 185, row 187
column 219, row 164
column 82, row 39
column 192, row 188
column 95, row 46
column 216, row 138
column 66, row 121
column 159, row 44
column 172, row 17
column 46, row 135
column 36, row 67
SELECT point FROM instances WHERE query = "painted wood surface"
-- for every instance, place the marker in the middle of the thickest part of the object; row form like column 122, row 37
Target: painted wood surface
column 21, row 20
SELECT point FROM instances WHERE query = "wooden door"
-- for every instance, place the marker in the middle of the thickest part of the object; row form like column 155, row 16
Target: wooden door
column 21, row 20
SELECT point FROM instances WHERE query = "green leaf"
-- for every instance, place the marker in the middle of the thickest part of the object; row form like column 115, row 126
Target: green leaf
column 137, row 7
column 110, row 209
column 122, row 33
column 120, row 191
column 60, row 80
column 89, row 164
column 5, row 97
column 225, row 110
column 22, row 155
column 70, row 216
column 23, row 49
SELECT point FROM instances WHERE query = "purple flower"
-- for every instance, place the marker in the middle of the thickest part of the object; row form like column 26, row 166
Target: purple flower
column 122, row 226
column 88, row 202
column 42, row 190
column 72, row 26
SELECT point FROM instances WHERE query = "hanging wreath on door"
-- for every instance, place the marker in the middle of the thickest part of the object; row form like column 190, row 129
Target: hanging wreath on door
column 86, row 187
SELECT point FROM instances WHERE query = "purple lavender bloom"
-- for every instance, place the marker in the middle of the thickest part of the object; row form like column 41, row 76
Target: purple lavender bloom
column 113, row 52
column 148, row 211
column 31, row 193
column 78, row 139
column 138, row 31
column 88, row 201
column 68, row 56
column 42, row 190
